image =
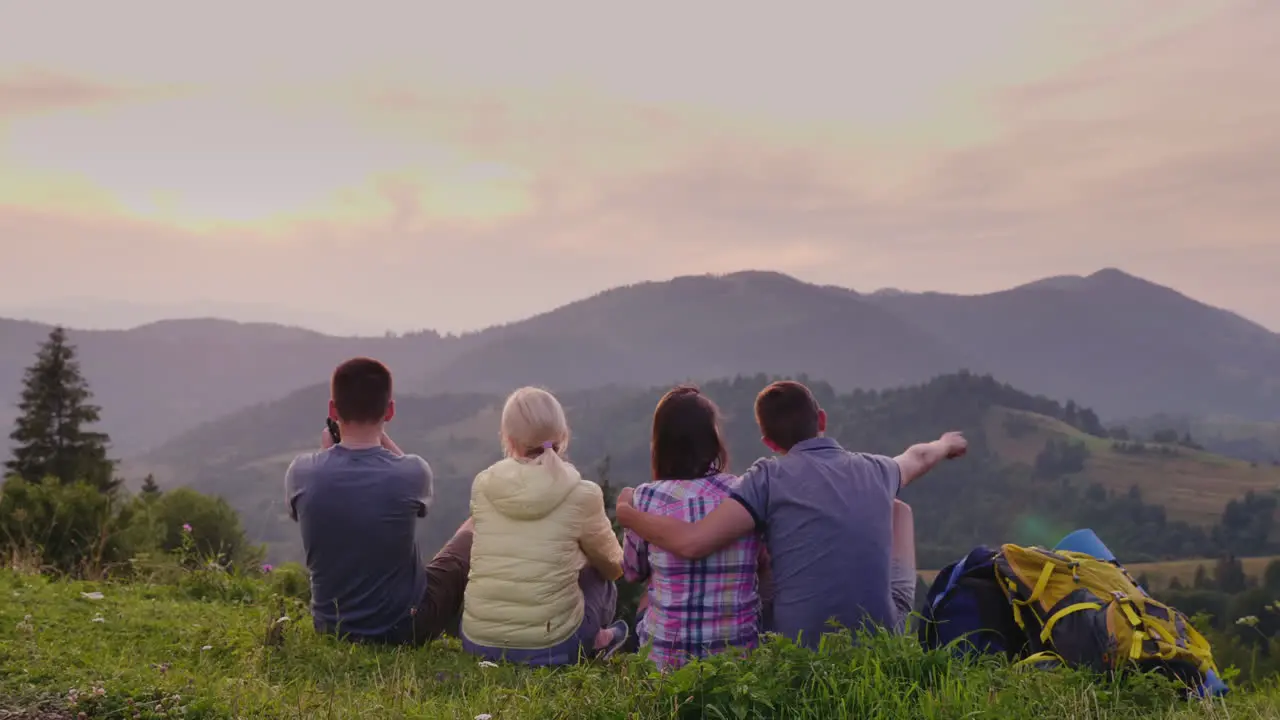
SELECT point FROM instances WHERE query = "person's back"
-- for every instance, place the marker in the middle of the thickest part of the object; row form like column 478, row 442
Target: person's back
column 696, row 607
column 829, row 533
column 357, row 509
column 544, row 555
column 357, row 504
column 526, row 558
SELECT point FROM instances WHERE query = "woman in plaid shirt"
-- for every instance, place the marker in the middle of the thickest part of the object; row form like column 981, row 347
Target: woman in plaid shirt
column 695, row 607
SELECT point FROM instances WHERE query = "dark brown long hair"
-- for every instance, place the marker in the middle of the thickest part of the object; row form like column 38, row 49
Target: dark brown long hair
column 686, row 436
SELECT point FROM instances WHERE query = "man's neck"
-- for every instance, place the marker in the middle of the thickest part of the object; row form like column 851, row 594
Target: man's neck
column 357, row 437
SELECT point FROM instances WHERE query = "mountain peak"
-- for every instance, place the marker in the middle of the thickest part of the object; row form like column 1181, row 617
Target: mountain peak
column 1115, row 276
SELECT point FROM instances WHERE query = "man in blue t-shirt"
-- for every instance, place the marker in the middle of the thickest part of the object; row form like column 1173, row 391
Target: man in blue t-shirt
column 357, row 503
column 840, row 542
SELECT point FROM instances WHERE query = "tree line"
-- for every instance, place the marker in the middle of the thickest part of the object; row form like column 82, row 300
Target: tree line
column 63, row 506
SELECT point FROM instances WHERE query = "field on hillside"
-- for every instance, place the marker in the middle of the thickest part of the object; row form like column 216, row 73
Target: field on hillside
column 1160, row 574
column 1192, row 486
column 203, row 647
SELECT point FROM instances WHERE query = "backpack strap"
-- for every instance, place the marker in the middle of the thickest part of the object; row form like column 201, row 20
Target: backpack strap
column 952, row 579
column 1047, row 633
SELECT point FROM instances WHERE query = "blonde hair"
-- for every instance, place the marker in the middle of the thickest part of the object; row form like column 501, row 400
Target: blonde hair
column 534, row 428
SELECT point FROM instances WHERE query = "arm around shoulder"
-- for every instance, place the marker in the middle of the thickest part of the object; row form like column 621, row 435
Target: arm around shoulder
column 693, row 541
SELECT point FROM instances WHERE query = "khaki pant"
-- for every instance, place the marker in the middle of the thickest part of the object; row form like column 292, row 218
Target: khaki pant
column 440, row 611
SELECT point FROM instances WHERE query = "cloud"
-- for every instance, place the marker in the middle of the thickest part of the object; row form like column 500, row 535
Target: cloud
column 30, row 91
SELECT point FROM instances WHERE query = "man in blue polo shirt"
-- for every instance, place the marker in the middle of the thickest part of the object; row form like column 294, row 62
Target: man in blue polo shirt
column 358, row 503
column 841, row 543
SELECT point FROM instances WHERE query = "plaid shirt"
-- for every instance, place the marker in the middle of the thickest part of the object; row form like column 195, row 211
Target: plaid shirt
column 695, row 607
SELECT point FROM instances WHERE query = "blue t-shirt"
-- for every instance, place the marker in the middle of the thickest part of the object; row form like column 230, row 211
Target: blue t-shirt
column 357, row 509
column 827, row 518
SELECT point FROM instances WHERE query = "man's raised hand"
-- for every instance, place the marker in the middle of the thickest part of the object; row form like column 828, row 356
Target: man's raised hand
column 955, row 445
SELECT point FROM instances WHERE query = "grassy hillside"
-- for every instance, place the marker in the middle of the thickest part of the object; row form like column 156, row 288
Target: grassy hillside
column 1251, row 440
column 198, row 648
column 1160, row 574
column 1006, row 498
column 1192, row 486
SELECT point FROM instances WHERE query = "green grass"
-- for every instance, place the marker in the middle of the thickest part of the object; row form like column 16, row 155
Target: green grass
column 197, row 647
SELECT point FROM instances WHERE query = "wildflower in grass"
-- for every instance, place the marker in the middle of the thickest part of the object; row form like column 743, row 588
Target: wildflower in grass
column 99, row 691
column 98, row 619
column 186, row 528
column 92, row 595
column 206, row 648
column 487, row 664
column 266, row 568
column 1248, row 621
column 484, row 716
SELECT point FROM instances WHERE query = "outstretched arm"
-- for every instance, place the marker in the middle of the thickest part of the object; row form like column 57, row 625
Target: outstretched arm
column 692, row 541
column 917, row 460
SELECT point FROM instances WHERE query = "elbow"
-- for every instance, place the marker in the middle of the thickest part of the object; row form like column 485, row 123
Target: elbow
column 612, row 572
column 693, row 548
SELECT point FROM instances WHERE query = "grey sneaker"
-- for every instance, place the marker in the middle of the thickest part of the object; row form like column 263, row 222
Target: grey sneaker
column 619, row 634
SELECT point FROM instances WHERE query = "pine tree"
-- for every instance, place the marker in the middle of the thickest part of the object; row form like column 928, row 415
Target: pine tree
column 149, row 487
column 50, row 435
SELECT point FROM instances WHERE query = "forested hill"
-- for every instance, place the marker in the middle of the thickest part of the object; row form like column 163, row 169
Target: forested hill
column 1037, row 468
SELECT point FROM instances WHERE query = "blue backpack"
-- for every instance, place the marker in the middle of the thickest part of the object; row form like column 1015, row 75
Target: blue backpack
column 966, row 603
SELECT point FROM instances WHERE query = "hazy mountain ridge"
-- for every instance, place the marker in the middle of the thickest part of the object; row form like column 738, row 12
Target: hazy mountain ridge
column 1109, row 340
column 1113, row 341
column 160, row 379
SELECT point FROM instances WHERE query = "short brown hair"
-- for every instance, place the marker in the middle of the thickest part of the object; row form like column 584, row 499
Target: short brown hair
column 361, row 390
column 787, row 413
column 686, row 436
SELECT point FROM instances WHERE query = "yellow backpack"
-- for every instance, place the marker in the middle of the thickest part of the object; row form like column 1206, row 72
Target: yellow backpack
column 1090, row 613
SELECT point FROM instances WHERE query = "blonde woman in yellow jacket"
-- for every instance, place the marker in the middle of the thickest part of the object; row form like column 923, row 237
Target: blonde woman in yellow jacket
column 544, row 558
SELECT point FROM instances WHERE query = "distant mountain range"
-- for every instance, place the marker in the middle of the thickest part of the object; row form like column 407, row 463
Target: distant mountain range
column 91, row 313
column 1118, row 343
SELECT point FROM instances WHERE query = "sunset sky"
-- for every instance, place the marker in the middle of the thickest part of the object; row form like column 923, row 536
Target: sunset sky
column 420, row 164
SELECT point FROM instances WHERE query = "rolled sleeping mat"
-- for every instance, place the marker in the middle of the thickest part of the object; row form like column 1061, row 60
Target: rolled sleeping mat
column 1087, row 542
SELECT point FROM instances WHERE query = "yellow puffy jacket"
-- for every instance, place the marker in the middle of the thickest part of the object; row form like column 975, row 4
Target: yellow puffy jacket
column 535, row 529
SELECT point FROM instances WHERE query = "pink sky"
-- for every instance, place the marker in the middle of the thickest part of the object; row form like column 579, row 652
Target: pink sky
column 428, row 164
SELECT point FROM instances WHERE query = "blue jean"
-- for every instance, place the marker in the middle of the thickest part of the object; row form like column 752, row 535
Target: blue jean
column 600, row 605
